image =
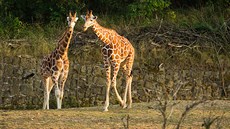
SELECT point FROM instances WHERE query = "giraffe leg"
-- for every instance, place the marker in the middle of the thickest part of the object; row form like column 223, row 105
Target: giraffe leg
column 62, row 79
column 126, row 87
column 108, row 83
column 115, row 72
column 57, row 94
column 129, row 91
column 47, row 88
column 55, row 78
column 130, row 78
column 46, row 94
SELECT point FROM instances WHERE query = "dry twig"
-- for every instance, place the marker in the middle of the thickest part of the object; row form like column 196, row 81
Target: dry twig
column 125, row 121
column 188, row 108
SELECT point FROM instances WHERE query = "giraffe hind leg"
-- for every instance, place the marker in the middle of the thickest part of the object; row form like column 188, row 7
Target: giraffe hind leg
column 128, row 74
column 130, row 77
column 129, row 90
column 126, row 87
column 115, row 72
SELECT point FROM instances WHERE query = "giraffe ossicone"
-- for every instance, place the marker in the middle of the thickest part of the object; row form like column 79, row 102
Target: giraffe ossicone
column 116, row 49
column 55, row 66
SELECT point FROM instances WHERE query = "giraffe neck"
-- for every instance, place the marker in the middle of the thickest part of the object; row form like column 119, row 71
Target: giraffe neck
column 63, row 44
column 102, row 33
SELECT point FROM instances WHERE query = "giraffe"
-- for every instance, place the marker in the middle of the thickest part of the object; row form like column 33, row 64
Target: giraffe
column 55, row 66
column 117, row 52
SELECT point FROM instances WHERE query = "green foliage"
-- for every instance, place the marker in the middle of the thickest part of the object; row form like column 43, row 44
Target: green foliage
column 203, row 27
column 31, row 11
column 11, row 27
column 43, row 21
column 206, row 19
column 147, row 8
column 109, row 6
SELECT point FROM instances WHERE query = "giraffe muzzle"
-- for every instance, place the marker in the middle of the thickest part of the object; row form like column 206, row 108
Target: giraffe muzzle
column 84, row 28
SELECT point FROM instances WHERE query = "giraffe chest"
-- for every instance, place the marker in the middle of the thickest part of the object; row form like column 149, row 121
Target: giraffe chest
column 52, row 64
column 115, row 51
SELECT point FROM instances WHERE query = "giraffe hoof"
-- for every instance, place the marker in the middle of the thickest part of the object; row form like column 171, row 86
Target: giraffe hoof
column 129, row 106
column 124, row 106
column 105, row 110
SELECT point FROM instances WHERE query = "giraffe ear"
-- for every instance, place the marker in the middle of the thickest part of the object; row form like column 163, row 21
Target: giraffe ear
column 76, row 19
column 87, row 12
column 68, row 19
column 75, row 14
column 94, row 17
column 70, row 14
column 83, row 17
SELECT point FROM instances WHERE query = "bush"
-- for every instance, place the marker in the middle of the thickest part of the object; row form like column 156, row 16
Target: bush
column 11, row 27
column 148, row 8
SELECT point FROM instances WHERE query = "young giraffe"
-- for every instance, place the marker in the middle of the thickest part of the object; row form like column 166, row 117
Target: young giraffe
column 55, row 67
column 117, row 52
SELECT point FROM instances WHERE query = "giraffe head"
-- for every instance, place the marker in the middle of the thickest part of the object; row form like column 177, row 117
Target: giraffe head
column 89, row 19
column 72, row 19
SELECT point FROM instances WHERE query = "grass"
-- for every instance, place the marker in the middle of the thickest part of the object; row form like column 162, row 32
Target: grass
column 141, row 116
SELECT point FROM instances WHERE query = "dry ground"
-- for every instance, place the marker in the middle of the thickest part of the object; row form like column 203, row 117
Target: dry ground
column 142, row 115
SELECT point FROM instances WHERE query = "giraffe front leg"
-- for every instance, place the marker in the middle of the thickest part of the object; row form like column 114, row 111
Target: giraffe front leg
column 57, row 95
column 47, row 88
column 108, row 83
column 57, row 90
column 46, row 94
column 62, row 85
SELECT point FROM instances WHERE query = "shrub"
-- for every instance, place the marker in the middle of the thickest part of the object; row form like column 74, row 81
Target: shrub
column 11, row 27
column 147, row 8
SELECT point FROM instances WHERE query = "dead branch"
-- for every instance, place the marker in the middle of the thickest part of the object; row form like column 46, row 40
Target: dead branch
column 209, row 121
column 188, row 108
column 16, row 40
column 159, row 27
column 155, row 44
column 125, row 121
column 174, row 45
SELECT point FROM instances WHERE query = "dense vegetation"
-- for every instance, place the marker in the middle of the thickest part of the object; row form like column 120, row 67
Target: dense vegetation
column 41, row 11
column 202, row 14
column 40, row 22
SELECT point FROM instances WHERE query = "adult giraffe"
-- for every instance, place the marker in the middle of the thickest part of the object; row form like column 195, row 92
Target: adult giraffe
column 117, row 52
column 55, row 67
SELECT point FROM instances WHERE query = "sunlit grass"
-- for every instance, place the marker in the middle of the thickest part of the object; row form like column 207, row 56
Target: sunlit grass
column 141, row 116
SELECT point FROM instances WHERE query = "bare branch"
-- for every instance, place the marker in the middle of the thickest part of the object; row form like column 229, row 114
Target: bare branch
column 125, row 121
column 188, row 108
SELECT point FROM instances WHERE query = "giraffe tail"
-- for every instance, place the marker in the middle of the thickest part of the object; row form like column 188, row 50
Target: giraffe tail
column 131, row 73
